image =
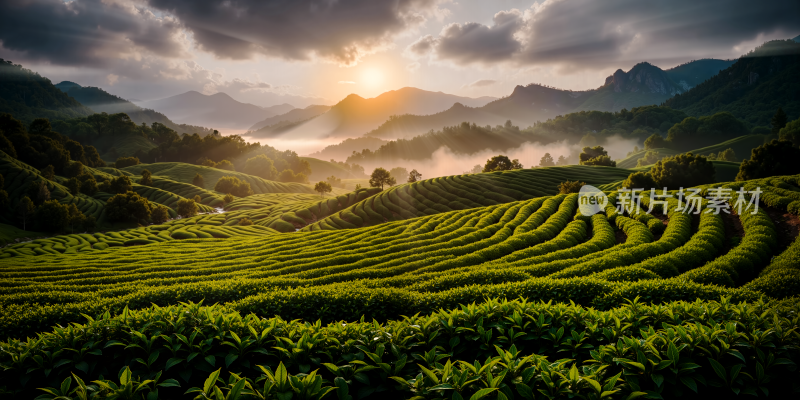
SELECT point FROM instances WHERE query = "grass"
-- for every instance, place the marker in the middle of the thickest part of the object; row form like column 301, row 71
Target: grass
column 9, row 233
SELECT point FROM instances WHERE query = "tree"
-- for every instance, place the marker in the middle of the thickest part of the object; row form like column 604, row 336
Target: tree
column 147, row 179
column 88, row 184
column 501, row 163
column 261, row 166
column 187, row 208
column 683, row 170
column 778, row 121
column 52, row 216
column 476, row 169
column 570, row 187
column 596, row 155
column 49, row 172
column 334, row 181
column 322, row 187
column 639, row 180
column 159, row 214
column 74, row 186
column 233, row 185
column 562, row 161
column 226, row 165
column 381, row 177
column 547, row 161
column 74, row 217
column 777, row 157
column 123, row 162
column 74, row 169
column 245, row 222
column 120, row 184
column 128, row 206
column 197, row 199
column 43, row 194
column 727, row 155
column 89, row 223
column 228, row 198
column 398, row 172
column 414, row 176
column 199, row 181
column 25, row 208
column 791, row 132
column 655, row 141
column 650, row 157
column 207, row 162
column 287, row 175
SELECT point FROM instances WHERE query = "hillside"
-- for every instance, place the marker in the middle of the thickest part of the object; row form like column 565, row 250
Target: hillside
column 742, row 146
column 695, row 72
column 28, row 95
column 320, row 170
column 219, row 110
column 265, row 127
column 752, row 88
column 101, row 101
column 341, row 151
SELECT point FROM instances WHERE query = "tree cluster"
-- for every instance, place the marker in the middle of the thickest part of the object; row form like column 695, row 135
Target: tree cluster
column 778, row 157
column 596, row 155
column 501, row 163
column 234, row 186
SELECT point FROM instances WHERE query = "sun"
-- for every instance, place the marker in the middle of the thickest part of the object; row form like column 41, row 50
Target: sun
column 372, row 77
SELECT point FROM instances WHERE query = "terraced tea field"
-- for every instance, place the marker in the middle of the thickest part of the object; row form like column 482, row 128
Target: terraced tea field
column 660, row 304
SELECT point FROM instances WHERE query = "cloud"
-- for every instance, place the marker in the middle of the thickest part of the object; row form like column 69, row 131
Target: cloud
column 480, row 83
column 347, row 83
column 91, row 33
column 112, row 79
column 413, row 67
column 596, row 34
column 341, row 31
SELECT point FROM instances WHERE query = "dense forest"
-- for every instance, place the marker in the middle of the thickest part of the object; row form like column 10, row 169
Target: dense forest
column 752, row 88
column 28, row 95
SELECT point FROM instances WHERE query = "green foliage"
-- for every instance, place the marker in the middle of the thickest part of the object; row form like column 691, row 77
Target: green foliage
column 570, row 187
column 225, row 165
column 124, row 162
column 146, row 179
column 48, row 172
column 413, row 176
column 119, row 185
column 128, row 206
column 159, row 214
column 233, row 185
column 777, row 157
column 25, row 208
column 52, row 216
column 187, row 208
column 791, row 132
column 596, row 156
column 228, row 198
column 655, row 141
column 650, row 158
column 74, row 186
column 727, row 155
column 261, row 166
column 547, row 161
column 322, row 187
column 683, row 170
column 288, row 175
column 694, row 132
column 398, row 172
column 245, row 222
column 501, row 163
column 778, row 121
column 199, row 181
column 639, row 180
column 381, row 177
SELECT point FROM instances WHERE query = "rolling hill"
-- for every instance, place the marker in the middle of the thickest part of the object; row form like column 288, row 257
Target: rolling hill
column 752, row 88
column 101, row 101
column 262, row 128
column 219, row 110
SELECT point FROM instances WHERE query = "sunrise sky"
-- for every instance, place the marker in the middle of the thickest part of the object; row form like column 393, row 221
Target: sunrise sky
column 327, row 49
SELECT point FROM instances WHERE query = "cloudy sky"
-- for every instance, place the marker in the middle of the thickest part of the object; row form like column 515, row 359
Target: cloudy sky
column 256, row 50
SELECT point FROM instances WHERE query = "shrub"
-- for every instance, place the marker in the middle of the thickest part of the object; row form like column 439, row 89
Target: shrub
column 778, row 157
column 226, row 165
column 146, row 179
column 649, row 158
column 123, row 162
column 245, row 221
column 791, row 132
column 199, row 181
column 127, row 206
column 197, row 199
column 639, row 180
column 570, row 187
column 228, row 198
column 74, row 186
column 159, row 214
column 119, row 185
column 596, row 156
column 74, row 169
column 88, row 184
column 683, row 170
column 655, row 141
column 49, row 172
column 187, row 208
column 52, row 216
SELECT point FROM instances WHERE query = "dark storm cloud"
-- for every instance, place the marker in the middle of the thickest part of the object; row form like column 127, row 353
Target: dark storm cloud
column 85, row 32
column 597, row 33
column 341, row 31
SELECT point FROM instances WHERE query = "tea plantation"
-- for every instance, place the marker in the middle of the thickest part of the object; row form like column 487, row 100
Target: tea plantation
column 481, row 286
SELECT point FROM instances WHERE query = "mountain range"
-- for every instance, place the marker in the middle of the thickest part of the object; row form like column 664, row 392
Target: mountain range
column 219, row 110
column 101, row 101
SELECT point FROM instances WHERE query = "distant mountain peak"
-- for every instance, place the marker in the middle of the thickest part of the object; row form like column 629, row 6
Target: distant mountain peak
column 65, row 86
column 643, row 77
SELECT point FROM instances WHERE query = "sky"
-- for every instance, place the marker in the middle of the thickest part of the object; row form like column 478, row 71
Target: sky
column 319, row 51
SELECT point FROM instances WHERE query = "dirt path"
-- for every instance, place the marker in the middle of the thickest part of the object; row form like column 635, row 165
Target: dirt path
column 787, row 225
